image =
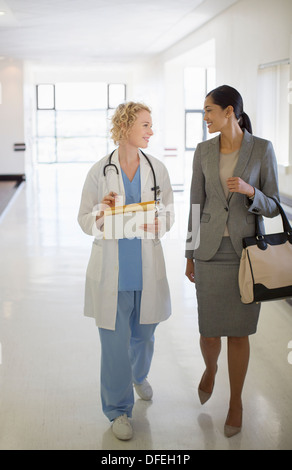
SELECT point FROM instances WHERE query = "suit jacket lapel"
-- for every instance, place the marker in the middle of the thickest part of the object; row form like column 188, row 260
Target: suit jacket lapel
column 213, row 164
column 243, row 159
column 244, row 156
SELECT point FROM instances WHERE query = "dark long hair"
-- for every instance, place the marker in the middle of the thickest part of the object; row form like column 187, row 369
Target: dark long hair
column 225, row 96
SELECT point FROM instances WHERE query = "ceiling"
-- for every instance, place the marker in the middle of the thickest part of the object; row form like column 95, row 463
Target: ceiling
column 99, row 30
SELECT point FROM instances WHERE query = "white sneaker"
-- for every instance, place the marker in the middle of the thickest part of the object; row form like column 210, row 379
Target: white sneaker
column 144, row 390
column 122, row 428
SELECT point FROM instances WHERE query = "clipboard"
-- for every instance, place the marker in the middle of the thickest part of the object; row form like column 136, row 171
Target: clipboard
column 126, row 221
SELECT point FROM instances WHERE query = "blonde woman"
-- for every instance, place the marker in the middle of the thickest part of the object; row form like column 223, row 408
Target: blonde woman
column 126, row 285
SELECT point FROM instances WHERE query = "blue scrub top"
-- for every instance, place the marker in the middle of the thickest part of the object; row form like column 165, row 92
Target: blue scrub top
column 130, row 254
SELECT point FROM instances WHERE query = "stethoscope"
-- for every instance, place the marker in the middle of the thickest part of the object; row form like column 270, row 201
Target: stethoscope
column 155, row 188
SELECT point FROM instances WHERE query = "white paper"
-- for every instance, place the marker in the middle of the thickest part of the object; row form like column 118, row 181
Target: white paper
column 128, row 225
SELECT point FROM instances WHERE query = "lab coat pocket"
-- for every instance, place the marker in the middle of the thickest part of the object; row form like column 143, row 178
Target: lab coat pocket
column 94, row 267
column 159, row 260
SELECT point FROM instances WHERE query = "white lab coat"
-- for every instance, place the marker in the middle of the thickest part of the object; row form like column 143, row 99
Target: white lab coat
column 101, row 287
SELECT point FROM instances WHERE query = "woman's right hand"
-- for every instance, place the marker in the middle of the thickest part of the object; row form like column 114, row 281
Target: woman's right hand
column 108, row 201
column 190, row 270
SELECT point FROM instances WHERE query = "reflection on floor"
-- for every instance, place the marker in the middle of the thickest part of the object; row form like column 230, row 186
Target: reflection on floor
column 49, row 371
column 8, row 190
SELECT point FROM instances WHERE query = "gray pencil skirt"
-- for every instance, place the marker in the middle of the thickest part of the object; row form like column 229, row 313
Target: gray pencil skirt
column 220, row 310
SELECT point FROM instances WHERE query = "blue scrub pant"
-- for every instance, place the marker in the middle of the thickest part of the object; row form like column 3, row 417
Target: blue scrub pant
column 126, row 355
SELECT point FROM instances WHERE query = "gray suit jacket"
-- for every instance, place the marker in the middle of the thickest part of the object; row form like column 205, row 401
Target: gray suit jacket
column 257, row 166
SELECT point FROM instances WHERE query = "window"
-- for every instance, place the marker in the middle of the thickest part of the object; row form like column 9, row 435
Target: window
column 116, row 94
column 73, row 120
column 195, row 129
column 273, row 108
column 75, row 96
column 197, row 82
column 45, row 96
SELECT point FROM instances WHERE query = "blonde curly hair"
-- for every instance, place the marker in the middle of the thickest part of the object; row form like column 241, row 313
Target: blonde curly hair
column 123, row 119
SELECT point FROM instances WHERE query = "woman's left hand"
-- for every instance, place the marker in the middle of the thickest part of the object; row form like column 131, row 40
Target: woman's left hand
column 153, row 228
column 237, row 185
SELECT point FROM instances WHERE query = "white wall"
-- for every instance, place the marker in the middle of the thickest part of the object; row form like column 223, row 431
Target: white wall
column 180, row 167
column 11, row 117
column 148, row 87
column 249, row 33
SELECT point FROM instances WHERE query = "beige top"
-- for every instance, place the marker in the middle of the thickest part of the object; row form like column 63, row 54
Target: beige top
column 227, row 164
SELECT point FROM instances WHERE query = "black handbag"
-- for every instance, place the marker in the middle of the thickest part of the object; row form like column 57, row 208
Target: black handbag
column 265, row 271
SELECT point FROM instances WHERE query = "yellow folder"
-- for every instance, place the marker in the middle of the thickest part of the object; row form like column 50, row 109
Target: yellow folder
column 126, row 221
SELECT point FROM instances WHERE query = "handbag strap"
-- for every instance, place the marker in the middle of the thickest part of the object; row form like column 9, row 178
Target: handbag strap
column 286, row 225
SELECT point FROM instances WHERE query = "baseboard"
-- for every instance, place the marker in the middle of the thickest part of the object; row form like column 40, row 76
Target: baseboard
column 17, row 178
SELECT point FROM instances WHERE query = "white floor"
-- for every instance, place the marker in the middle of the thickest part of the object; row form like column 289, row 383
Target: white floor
column 49, row 372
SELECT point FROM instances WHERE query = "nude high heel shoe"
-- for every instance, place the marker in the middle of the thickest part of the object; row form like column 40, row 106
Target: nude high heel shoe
column 231, row 431
column 205, row 396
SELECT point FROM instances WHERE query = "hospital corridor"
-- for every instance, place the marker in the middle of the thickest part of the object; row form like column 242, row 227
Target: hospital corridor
column 141, row 102
column 49, row 374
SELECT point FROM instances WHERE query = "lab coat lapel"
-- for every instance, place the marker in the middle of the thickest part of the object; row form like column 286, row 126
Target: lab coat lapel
column 144, row 173
column 115, row 182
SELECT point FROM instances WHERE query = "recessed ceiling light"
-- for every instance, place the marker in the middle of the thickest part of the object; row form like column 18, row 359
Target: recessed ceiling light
column 2, row 13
